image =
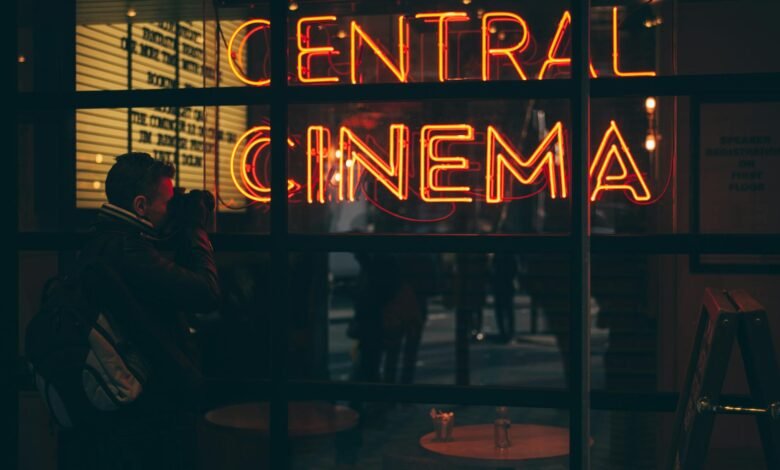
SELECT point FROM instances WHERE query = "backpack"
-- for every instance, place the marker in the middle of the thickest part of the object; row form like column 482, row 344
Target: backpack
column 82, row 364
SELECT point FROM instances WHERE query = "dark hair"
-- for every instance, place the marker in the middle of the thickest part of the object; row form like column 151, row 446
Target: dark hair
column 135, row 174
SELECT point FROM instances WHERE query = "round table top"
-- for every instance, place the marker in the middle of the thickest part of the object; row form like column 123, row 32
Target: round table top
column 475, row 443
column 304, row 418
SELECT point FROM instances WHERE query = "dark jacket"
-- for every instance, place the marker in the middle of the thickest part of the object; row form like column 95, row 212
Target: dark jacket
column 164, row 287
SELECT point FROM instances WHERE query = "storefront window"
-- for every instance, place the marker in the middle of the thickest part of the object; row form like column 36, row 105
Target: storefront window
column 419, row 209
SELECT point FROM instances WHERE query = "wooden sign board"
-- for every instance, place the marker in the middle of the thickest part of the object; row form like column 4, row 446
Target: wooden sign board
column 724, row 317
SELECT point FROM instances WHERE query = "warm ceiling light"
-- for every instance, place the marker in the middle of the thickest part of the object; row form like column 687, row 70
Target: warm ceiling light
column 650, row 142
column 650, row 104
column 341, row 34
column 293, row 6
column 653, row 22
column 22, row 59
column 96, row 184
column 131, row 13
column 467, row 2
column 99, row 158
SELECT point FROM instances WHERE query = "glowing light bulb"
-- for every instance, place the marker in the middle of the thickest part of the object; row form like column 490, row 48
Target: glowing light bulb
column 650, row 104
column 293, row 6
column 650, row 142
column 502, row 35
column 467, row 2
column 341, row 34
column 99, row 158
column 493, row 29
column 350, row 163
column 96, row 185
column 131, row 13
column 22, row 59
column 339, row 154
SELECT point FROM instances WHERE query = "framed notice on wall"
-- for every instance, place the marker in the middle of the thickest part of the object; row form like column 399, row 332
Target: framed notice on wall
column 735, row 177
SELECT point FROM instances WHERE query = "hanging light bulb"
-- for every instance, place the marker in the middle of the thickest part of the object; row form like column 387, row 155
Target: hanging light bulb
column 650, row 142
column 650, row 104
column 293, row 6
column 131, row 13
column 467, row 2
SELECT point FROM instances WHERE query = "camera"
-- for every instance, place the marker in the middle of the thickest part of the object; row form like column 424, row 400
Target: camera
column 190, row 210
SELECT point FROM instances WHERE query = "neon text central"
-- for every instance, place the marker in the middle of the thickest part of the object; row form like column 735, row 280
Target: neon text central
column 495, row 50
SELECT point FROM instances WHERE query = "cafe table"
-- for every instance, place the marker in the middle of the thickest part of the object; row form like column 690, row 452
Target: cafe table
column 474, row 445
column 311, row 418
column 235, row 437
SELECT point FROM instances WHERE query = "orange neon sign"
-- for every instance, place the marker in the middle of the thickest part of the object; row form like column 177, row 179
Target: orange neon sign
column 621, row 154
column 244, row 165
column 488, row 50
column 355, row 152
column 493, row 51
column 233, row 57
column 548, row 157
column 616, row 53
column 401, row 71
column 307, row 51
column 432, row 163
column 443, row 20
column 317, row 140
column 552, row 52
column 612, row 169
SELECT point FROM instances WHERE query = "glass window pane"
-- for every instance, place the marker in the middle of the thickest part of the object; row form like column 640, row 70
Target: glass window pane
column 430, row 167
column 450, row 318
column 164, row 45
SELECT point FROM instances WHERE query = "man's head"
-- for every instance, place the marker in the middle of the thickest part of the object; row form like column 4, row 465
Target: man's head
column 140, row 184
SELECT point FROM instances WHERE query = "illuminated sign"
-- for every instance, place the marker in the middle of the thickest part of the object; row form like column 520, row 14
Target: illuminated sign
column 335, row 169
column 423, row 161
column 494, row 50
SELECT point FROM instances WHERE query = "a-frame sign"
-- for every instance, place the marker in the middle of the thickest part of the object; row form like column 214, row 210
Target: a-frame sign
column 726, row 316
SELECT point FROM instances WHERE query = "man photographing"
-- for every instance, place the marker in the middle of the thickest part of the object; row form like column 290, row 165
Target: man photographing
column 141, row 222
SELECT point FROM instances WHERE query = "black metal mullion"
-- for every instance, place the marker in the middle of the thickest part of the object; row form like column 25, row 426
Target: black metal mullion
column 278, row 319
column 579, row 329
column 129, row 44
column 672, row 244
column 687, row 85
column 177, row 131
column 9, row 329
column 763, row 84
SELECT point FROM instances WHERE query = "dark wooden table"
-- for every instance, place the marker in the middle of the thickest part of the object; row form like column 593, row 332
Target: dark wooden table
column 304, row 418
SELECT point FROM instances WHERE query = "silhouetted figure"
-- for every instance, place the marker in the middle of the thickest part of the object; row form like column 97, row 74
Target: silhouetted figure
column 504, row 271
